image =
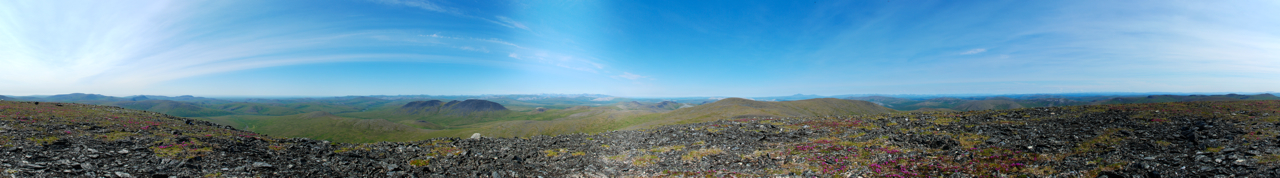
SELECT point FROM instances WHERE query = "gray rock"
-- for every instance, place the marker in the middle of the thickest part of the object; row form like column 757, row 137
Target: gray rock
column 475, row 135
column 261, row 165
column 391, row 167
column 122, row 174
column 1242, row 162
column 32, row 166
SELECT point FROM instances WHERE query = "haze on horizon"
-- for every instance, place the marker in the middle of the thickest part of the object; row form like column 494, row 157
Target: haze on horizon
column 635, row 48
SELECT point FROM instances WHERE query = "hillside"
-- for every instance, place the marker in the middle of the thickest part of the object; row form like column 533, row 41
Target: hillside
column 184, row 109
column 988, row 104
column 579, row 120
column 653, row 107
column 280, row 109
column 738, row 108
column 325, row 126
column 467, row 108
column 1185, row 139
column 412, row 121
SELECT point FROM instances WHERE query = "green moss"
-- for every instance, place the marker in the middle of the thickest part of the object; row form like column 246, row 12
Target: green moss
column 1268, row 158
column 698, row 154
column 1213, row 149
column 554, row 152
column 4, row 141
column 646, row 160
column 181, row 150
column 44, row 140
column 342, row 150
column 616, row 157
column 667, row 149
column 212, row 175
column 1101, row 143
column 1163, row 143
column 419, row 162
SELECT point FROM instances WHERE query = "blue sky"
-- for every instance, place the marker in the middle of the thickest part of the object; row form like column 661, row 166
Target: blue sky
column 636, row 48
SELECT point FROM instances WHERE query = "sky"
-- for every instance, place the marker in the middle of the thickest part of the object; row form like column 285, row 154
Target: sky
column 636, row 48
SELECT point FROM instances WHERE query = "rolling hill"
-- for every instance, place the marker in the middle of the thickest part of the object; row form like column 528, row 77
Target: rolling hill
column 988, row 104
column 468, row 108
column 738, row 107
column 325, row 126
column 176, row 108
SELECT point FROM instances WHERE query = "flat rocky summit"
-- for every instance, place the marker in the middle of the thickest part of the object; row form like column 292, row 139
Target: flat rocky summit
column 1193, row 139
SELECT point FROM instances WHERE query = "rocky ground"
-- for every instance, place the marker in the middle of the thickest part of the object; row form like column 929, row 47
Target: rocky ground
column 1193, row 139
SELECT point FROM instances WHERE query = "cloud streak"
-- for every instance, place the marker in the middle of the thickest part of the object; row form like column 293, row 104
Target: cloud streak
column 629, row 75
column 433, row 6
column 123, row 46
column 974, row 51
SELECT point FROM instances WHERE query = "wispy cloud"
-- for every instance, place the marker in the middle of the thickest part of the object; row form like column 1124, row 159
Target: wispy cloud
column 511, row 23
column 974, row 51
column 130, row 45
column 629, row 75
column 422, row 4
column 435, row 7
column 515, row 51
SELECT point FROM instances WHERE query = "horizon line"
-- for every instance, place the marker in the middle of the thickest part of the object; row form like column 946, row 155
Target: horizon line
column 648, row 97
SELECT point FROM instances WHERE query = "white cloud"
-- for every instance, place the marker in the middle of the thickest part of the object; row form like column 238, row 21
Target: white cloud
column 629, row 75
column 469, row 48
column 422, row 4
column 974, row 51
column 511, row 23
column 432, row 6
column 124, row 46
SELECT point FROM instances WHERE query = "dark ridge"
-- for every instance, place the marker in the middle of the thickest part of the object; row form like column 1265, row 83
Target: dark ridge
column 455, row 107
column 177, row 108
column 138, row 98
column 421, row 106
column 474, row 105
column 666, row 105
column 80, row 97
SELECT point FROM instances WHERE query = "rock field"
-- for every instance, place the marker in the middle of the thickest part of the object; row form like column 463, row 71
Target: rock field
column 1190, row 139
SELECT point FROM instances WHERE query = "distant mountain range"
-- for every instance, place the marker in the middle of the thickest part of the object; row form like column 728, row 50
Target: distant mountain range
column 401, row 118
column 1001, row 102
column 453, row 108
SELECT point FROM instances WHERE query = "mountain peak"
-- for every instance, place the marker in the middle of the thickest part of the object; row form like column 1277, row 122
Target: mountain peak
column 453, row 107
